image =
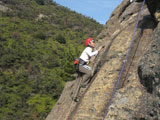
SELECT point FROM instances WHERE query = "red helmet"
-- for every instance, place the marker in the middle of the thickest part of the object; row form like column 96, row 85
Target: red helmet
column 88, row 41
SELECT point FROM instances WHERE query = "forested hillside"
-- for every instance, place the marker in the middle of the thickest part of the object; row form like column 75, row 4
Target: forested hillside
column 39, row 41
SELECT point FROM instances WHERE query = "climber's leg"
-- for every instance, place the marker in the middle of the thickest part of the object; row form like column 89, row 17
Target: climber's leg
column 76, row 87
column 87, row 74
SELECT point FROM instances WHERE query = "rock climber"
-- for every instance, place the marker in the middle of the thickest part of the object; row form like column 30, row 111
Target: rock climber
column 83, row 61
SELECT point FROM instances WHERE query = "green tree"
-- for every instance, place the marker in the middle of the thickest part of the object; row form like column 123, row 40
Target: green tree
column 37, row 55
column 61, row 39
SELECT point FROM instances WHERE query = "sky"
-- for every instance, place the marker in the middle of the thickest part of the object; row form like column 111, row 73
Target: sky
column 100, row 10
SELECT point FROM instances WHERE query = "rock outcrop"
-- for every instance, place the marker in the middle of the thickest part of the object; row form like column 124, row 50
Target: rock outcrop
column 149, row 73
column 3, row 8
column 138, row 93
column 154, row 8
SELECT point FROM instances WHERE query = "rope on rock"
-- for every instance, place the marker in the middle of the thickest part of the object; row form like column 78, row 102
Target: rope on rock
column 122, row 69
column 75, row 94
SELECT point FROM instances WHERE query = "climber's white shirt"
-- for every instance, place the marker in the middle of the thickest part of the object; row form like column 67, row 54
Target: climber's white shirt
column 87, row 53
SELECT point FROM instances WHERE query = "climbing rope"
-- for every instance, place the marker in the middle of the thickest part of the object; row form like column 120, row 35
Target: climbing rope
column 116, row 85
column 74, row 96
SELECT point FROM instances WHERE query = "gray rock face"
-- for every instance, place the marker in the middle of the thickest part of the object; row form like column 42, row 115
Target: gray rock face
column 149, row 71
column 130, row 10
column 149, row 67
column 154, row 8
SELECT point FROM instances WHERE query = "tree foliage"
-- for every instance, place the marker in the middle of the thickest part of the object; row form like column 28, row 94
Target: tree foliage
column 39, row 41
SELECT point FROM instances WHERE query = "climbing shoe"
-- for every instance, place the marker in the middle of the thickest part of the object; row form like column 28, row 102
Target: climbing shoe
column 75, row 99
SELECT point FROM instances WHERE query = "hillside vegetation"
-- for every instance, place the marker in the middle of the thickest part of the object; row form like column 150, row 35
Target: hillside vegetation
column 39, row 41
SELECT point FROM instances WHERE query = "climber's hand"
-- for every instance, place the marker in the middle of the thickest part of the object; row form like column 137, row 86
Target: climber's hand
column 100, row 48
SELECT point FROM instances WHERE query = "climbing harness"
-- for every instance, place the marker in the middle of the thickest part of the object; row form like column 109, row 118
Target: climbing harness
column 78, row 62
column 76, row 65
column 116, row 85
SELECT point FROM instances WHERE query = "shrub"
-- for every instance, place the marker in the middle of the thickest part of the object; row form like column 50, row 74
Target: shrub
column 61, row 39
